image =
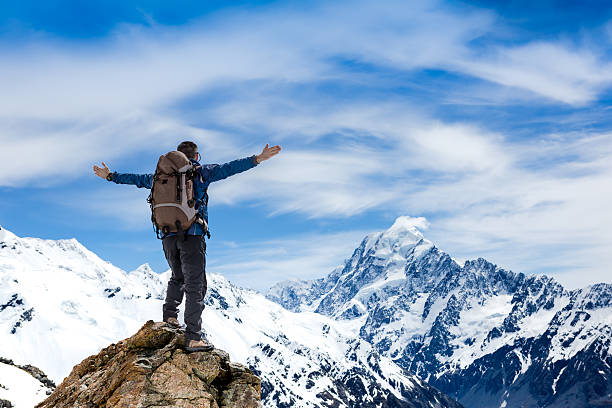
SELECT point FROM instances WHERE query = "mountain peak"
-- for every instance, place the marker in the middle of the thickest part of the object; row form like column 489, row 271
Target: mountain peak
column 401, row 237
column 6, row 235
column 145, row 268
column 406, row 223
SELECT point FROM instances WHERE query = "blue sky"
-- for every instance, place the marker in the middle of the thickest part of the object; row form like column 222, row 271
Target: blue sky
column 488, row 119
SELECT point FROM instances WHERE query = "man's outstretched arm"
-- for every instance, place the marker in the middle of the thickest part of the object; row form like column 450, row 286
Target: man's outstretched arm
column 139, row 180
column 219, row 172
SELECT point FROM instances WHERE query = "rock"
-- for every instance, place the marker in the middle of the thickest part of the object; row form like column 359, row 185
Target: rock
column 5, row 404
column 151, row 369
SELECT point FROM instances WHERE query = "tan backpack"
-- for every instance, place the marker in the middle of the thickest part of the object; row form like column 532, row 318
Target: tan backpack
column 172, row 201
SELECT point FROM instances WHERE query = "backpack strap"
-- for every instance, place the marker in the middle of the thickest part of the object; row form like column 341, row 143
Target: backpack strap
column 179, row 188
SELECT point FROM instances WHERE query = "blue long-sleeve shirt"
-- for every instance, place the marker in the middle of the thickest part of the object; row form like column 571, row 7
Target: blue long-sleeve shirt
column 209, row 172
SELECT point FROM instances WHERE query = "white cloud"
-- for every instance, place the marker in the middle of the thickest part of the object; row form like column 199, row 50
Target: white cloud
column 551, row 219
column 553, row 70
column 43, row 152
column 144, row 68
column 314, row 183
column 536, row 205
column 386, row 158
column 112, row 96
column 406, row 221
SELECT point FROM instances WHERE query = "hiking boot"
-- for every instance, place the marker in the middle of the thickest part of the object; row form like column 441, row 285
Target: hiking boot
column 199, row 345
column 172, row 321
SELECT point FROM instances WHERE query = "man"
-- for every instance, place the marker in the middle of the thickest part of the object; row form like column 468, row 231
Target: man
column 187, row 255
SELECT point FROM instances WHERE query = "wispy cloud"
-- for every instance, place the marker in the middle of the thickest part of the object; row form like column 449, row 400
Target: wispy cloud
column 67, row 149
column 307, row 79
column 148, row 68
column 553, row 70
column 531, row 205
column 540, row 218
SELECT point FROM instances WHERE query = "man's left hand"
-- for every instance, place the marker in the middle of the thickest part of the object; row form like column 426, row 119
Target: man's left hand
column 101, row 172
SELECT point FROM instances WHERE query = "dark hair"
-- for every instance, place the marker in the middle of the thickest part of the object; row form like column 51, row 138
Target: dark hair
column 189, row 148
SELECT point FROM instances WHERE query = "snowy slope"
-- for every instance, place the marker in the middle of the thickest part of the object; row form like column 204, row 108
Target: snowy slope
column 487, row 336
column 60, row 303
column 78, row 301
column 20, row 386
column 304, row 358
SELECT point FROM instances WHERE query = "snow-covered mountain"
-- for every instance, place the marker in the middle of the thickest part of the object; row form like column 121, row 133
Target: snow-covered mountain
column 60, row 303
column 484, row 335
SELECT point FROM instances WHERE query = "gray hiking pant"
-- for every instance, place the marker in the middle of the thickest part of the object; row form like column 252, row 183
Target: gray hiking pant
column 187, row 260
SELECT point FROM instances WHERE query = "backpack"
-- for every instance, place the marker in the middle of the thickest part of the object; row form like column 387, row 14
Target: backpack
column 173, row 205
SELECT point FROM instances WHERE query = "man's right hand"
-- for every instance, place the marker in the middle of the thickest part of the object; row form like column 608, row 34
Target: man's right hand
column 101, row 172
column 267, row 153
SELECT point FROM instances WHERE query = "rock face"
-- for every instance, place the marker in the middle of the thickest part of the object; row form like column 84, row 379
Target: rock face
column 151, row 369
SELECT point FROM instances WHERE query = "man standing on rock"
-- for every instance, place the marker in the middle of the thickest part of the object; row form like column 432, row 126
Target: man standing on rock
column 186, row 254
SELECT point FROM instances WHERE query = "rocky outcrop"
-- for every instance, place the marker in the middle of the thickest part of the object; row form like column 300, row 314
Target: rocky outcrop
column 152, row 369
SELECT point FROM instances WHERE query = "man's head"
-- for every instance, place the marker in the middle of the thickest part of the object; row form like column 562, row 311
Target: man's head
column 189, row 148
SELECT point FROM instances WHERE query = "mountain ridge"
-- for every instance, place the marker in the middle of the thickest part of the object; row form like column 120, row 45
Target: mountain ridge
column 453, row 324
column 83, row 303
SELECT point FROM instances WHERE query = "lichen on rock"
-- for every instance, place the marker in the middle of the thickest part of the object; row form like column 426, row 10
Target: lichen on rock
column 152, row 369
